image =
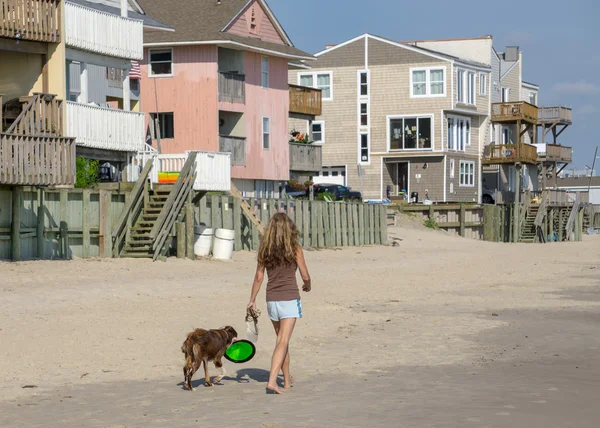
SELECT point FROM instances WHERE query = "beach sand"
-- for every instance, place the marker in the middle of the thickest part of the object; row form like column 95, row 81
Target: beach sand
column 395, row 331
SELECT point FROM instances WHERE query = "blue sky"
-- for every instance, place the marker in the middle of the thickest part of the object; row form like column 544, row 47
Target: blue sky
column 559, row 40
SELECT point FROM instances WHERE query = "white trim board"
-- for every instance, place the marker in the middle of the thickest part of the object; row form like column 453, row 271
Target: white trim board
column 427, row 71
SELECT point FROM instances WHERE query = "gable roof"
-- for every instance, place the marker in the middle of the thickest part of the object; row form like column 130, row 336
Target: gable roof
column 108, row 7
column 419, row 49
column 205, row 22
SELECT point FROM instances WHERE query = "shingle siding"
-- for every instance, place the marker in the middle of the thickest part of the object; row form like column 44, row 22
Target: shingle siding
column 381, row 53
column 350, row 55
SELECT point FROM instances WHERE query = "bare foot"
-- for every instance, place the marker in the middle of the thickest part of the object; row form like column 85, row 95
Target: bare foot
column 290, row 384
column 274, row 389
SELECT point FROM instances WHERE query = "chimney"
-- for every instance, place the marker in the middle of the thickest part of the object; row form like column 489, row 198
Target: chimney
column 124, row 7
column 511, row 54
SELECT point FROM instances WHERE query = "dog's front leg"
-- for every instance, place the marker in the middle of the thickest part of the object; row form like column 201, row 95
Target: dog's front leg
column 219, row 365
column 206, row 376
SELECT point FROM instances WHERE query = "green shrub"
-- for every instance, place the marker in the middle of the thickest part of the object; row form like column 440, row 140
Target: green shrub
column 325, row 196
column 431, row 224
column 87, row 173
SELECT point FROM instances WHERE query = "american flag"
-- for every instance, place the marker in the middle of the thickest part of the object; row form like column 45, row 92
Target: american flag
column 135, row 73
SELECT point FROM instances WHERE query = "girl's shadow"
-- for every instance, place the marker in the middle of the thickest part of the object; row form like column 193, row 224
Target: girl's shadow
column 242, row 376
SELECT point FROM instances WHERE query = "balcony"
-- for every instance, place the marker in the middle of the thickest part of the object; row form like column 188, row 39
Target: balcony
column 496, row 154
column 554, row 153
column 105, row 128
column 305, row 101
column 512, row 112
column 103, row 33
column 32, row 20
column 32, row 149
column 559, row 115
column 306, row 157
column 236, row 146
column 232, row 87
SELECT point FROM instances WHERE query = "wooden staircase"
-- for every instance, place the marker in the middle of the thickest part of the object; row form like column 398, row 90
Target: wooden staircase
column 248, row 211
column 138, row 241
column 529, row 228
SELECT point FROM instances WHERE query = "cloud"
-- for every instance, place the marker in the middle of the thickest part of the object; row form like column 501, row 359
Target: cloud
column 519, row 37
column 587, row 110
column 576, row 88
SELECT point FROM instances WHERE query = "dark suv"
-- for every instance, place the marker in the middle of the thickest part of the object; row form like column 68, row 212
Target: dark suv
column 340, row 192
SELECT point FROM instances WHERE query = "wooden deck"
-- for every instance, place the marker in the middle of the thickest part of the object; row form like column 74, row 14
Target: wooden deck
column 496, row 154
column 559, row 115
column 514, row 111
column 37, row 160
column 33, row 20
column 305, row 101
column 306, row 157
column 556, row 153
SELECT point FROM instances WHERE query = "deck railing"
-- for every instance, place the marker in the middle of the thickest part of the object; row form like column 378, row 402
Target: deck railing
column 36, row 160
column 34, row 20
column 232, row 87
column 105, row 128
column 306, row 157
column 305, row 100
column 494, row 154
column 554, row 152
column 513, row 111
column 103, row 33
column 555, row 114
column 41, row 116
column 236, row 146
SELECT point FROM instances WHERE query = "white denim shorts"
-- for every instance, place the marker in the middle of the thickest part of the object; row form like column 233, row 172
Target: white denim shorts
column 279, row 310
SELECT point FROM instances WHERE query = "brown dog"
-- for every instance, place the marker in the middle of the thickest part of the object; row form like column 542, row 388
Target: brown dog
column 202, row 346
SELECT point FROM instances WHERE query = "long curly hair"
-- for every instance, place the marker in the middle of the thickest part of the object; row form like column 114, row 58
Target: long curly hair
column 280, row 242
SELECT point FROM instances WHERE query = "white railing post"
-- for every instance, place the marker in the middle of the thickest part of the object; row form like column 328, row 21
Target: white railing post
column 83, row 82
column 126, row 91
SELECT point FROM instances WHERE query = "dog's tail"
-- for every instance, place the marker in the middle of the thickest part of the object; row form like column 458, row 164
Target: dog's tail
column 188, row 349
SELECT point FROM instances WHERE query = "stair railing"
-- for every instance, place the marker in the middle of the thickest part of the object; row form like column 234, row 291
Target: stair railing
column 542, row 211
column 133, row 207
column 175, row 202
column 572, row 215
column 41, row 116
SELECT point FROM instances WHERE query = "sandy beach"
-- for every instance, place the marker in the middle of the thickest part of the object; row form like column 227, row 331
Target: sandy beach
column 434, row 331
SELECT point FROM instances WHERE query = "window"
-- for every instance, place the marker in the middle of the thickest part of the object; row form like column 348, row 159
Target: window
column 320, row 81
column 460, row 86
column 265, row 71
column 427, row 82
column 364, row 83
column 467, row 174
column 161, row 62
column 364, row 148
column 266, row 133
column 505, row 135
column 410, row 133
column 318, row 132
column 482, row 84
column 505, row 94
column 533, row 98
column 471, row 88
column 459, row 133
column 451, row 168
column 364, row 114
column 166, row 125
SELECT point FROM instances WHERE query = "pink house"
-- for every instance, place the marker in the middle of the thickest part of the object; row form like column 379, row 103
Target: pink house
column 219, row 82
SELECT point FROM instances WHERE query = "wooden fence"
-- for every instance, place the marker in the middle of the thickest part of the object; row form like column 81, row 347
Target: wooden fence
column 67, row 223
column 459, row 219
column 320, row 224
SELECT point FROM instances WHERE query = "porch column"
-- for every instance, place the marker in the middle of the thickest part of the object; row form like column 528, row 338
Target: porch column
column 126, row 91
column 517, row 212
column 124, row 8
column 83, row 79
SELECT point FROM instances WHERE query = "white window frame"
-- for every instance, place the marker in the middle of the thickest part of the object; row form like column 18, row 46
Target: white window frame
column 452, row 168
column 361, row 114
column 466, row 87
column 502, row 99
column 471, row 88
column 262, row 127
column 466, row 135
column 482, row 84
column 460, row 85
column 161, row 124
column 428, row 71
column 315, row 85
column 360, row 85
column 534, row 95
column 152, row 75
column 264, row 73
column 410, row 116
column 466, row 178
column 360, row 161
column 310, row 131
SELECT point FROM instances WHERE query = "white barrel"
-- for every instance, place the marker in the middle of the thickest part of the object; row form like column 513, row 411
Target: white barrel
column 223, row 247
column 203, row 240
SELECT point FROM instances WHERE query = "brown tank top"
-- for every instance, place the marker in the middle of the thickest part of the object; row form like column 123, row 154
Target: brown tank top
column 282, row 284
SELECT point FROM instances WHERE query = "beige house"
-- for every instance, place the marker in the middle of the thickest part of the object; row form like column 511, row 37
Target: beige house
column 398, row 119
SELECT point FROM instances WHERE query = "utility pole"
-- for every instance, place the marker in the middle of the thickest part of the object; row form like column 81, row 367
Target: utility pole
column 592, row 171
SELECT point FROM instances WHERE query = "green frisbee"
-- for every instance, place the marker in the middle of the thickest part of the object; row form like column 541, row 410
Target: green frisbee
column 241, row 351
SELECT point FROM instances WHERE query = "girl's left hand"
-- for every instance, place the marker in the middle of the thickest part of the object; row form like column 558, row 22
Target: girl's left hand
column 252, row 304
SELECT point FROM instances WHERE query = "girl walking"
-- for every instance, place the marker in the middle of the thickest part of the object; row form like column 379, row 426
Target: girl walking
column 281, row 256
